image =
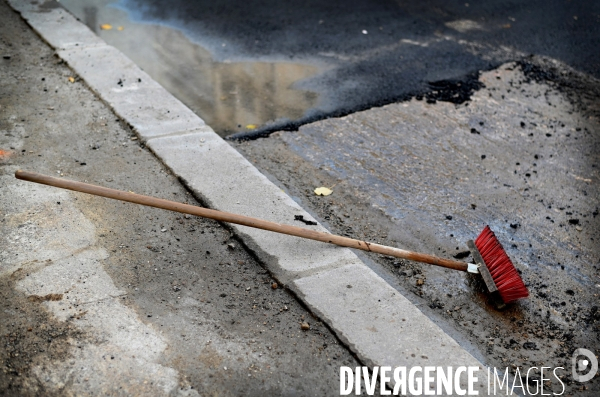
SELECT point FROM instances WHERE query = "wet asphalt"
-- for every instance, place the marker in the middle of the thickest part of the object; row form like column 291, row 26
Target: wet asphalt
column 250, row 68
column 378, row 52
column 565, row 30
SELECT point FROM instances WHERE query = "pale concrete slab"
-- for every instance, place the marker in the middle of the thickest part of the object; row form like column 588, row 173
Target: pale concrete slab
column 34, row 211
column 76, row 277
column 60, row 29
column 57, row 245
column 125, row 358
column 379, row 324
column 133, row 95
column 23, row 6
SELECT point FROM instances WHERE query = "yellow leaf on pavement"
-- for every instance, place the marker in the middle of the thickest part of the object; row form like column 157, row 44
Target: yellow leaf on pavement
column 106, row 26
column 323, row 191
column 251, row 126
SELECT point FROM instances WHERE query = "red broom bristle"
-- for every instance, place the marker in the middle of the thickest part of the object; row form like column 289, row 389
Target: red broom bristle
column 505, row 275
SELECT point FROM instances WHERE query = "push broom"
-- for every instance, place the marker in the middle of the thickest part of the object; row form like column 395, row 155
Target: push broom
column 492, row 262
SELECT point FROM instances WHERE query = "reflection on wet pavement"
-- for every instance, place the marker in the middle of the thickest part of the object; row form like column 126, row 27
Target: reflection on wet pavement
column 228, row 96
column 278, row 65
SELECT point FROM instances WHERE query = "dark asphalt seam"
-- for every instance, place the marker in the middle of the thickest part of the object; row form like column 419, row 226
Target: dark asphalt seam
column 455, row 91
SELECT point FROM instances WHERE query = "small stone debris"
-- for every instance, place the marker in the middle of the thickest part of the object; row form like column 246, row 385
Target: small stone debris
column 48, row 297
column 305, row 326
column 436, row 305
column 462, row 254
column 529, row 346
column 274, row 285
column 305, row 221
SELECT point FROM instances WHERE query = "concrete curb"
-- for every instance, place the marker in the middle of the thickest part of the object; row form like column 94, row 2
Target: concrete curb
column 381, row 326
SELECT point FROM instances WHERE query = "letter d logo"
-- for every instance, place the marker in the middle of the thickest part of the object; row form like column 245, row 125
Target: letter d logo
column 582, row 364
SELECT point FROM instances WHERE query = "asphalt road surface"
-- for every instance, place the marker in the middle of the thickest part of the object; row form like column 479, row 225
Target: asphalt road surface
column 259, row 66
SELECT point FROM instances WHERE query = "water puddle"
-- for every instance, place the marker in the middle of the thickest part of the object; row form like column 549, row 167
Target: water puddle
column 230, row 96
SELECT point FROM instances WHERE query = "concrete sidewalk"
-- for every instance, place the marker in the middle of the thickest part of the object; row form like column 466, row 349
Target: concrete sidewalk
column 98, row 297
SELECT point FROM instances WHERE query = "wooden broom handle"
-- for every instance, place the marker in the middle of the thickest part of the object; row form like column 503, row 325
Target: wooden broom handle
column 237, row 219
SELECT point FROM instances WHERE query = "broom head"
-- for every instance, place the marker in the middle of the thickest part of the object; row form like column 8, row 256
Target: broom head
column 503, row 272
